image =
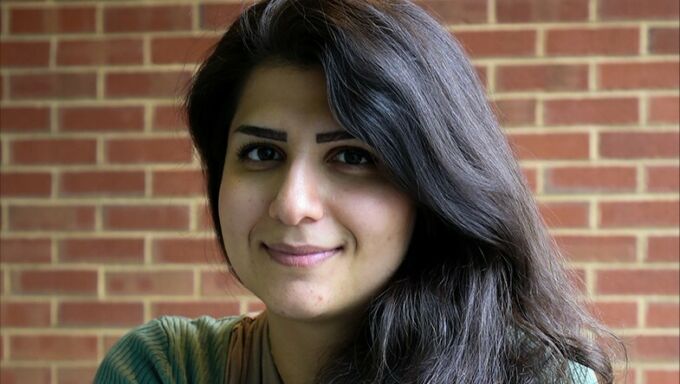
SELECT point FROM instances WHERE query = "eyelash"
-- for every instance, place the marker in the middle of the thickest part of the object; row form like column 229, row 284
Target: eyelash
column 245, row 149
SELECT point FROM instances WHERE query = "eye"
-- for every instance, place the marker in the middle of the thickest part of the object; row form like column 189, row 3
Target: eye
column 355, row 157
column 258, row 152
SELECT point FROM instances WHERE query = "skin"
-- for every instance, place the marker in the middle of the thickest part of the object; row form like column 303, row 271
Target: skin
column 304, row 192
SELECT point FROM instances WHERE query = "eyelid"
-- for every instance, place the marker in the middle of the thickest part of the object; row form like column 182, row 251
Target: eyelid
column 366, row 153
column 244, row 149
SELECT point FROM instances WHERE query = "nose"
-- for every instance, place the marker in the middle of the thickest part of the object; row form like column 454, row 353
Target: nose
column 298, row 197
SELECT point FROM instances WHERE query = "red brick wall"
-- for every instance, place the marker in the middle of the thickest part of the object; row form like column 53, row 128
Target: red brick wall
column 103, row 223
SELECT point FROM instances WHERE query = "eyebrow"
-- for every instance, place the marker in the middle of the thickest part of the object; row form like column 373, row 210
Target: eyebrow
column 274, row 134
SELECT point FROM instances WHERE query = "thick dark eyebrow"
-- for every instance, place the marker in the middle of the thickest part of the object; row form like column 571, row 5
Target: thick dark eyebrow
column 273, row 134
column 262, row 132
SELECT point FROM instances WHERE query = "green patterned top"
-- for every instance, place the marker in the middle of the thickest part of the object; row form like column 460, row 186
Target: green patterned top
column 229, row 350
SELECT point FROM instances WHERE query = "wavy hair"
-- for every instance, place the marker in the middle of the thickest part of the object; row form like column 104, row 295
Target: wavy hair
column 482, row 295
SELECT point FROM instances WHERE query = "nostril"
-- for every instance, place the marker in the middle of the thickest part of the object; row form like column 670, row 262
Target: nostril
column 292, row 207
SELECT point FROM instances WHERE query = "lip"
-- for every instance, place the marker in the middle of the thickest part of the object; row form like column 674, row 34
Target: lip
column 300, row 255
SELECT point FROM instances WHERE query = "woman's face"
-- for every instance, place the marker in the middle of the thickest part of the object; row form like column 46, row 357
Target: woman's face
column 293, row 178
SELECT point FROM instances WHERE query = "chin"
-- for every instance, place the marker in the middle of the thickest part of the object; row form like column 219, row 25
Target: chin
column 298, row 311
column 300, row 306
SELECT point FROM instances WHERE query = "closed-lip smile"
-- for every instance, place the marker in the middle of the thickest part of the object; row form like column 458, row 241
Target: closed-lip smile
column 303, row 255
column 303, row 249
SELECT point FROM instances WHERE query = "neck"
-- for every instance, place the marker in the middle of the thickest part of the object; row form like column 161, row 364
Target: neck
column 299, row 348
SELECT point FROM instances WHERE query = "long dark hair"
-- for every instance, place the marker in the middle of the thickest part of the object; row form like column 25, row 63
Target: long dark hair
column 482, row 296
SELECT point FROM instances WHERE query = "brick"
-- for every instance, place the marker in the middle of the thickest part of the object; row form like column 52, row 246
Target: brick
column 168, row 118
column 530, row 176
column 498, row 43
column 20, row 375
column 99, row 314
column 592, row 41
column 637, row 282
column 221, row 284
column 658, row 376
column 626, row 374
column 636, row 214
column 53, row 86
column 523, row 11
column 203, row 218
column 565, row 214
column 553, row 77
column 148, row 217
column 255, row 306
column 664, row 109
column 150, row 283
column 663, row 178
column 638, row 10
column 55, row 282
column 52, row 20
column 601, row 111
column 639, row 145
column 101, row 119
column 617, row 314
column 152, row 150
column 168, row 84
column 53, row 348
column 147, row 18
column 216, row 309
column 24, row 184
column 653, row 75
column 455, row 12
column 75, row 375
column 110, row 341
column 481, row 72
column 25, row 250
column 24, row 119
column 178, row 183
column 664, row 40
column 663, row 315
column 578, row 279
column 24, row 54
column 550, row 146
column 186, row 251
column 51, row 218
column 173, row 50
column 97, row 52
column 218, row 16
column 663, row 249
column 102, row 183
column 590, row 179
column 101, row 250
column 655, row 348
column 597, row 248
column 25, row 314
column 53, row 151
column 513, row 112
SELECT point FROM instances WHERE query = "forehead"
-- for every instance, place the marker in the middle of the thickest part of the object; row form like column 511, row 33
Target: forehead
column 285, row 97
column 267, row 78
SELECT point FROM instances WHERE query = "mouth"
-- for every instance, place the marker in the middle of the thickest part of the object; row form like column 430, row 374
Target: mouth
column 300, row 256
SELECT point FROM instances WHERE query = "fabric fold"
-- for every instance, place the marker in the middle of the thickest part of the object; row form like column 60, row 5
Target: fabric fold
column 250, row 359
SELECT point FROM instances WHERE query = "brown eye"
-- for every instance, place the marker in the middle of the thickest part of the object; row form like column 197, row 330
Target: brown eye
column 355, row 157
column 258, row 153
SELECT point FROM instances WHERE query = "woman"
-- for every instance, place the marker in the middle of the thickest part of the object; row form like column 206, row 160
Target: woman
column 360, row 186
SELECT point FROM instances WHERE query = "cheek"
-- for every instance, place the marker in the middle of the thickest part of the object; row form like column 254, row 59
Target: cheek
column 240, row 206
column 381, row 218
